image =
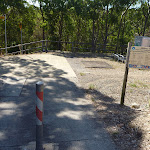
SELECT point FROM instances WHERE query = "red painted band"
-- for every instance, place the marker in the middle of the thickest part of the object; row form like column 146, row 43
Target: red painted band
column 39, row 114
column 39, row 95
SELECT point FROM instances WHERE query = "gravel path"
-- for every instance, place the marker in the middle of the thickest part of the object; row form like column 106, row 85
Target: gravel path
column 128, row 126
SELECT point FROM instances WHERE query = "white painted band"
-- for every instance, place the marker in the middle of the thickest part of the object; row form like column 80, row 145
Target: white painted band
column 38, row 122
column 39, row 104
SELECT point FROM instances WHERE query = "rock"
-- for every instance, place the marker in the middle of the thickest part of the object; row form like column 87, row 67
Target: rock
column 135, row 105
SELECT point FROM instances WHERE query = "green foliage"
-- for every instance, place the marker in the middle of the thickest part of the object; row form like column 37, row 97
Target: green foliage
column 92, row 87
column 15, row 16
column 88, row 21
column 82, row 74
column 133, row 85
column 138, row 84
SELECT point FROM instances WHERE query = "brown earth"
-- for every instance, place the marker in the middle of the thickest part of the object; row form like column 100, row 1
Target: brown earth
column 129, row 126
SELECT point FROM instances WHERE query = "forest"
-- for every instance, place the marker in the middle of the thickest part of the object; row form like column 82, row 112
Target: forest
column 96, row 24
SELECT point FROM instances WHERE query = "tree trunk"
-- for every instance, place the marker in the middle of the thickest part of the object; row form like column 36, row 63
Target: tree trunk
column 60, row 31
column 97, row 35
column 106, row 32
column 145, row 24
column 43, row 30
column 122, row 48
column 120, row 25
column 93, row 37
column 42, row 19
column 118, row 36
column 105, row 44
column 78, row 33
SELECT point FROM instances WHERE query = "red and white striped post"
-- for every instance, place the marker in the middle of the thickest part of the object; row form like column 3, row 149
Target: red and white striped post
column 39, row 115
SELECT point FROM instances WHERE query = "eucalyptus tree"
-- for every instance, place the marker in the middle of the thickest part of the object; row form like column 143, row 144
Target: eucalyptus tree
column 81, row 23
column 40, row 10
column 93, row 9
column 6, row 7
column 26, row 18
column 77, row 9
column 124, row 6
column 140, row 24
column 41, row 5
column 55, row 11
column 145, row 6
column 6, row 4
column 108, row 18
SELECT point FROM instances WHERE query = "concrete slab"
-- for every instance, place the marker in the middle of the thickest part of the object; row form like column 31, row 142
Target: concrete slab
column 69, row 120
column 96, row 64
column 72, row 145
column 2, row 82
column 59, row 63
column 12, row 86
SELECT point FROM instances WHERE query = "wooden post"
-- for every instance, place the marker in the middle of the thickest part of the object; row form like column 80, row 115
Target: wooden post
column 126, row 74
column 72, row 47
column 21, row 43
column 25, row 48
column 42, row 45
column 0, row 51
column 46, row 46
column 99, row 48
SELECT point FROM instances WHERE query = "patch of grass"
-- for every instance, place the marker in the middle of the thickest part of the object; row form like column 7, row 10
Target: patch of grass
column 115, row 133
column 82, row 74
column 149, row 103
column 131, row 91
column 93, row 100
column 92, row 87
column 142, row 84
column 133, row 85
column 138, row 84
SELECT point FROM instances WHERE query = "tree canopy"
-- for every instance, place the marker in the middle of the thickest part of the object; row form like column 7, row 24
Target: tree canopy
column 104, row 22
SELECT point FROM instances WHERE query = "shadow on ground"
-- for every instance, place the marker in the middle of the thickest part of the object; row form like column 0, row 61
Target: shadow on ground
column 64, row 101
column 117, row 121
column 17, row 113
column 83, row 55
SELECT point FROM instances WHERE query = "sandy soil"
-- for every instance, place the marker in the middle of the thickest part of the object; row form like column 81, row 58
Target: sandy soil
column 129, row 125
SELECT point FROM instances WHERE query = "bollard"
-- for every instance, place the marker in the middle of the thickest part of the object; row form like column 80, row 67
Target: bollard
column 39, row 115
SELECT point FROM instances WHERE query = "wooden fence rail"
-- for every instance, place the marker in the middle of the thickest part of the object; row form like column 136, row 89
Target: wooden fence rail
column 47, row 45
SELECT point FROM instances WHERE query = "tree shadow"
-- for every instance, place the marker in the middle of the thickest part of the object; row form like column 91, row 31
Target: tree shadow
column 117, row 121
column 67, row 117
column 82, row 54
